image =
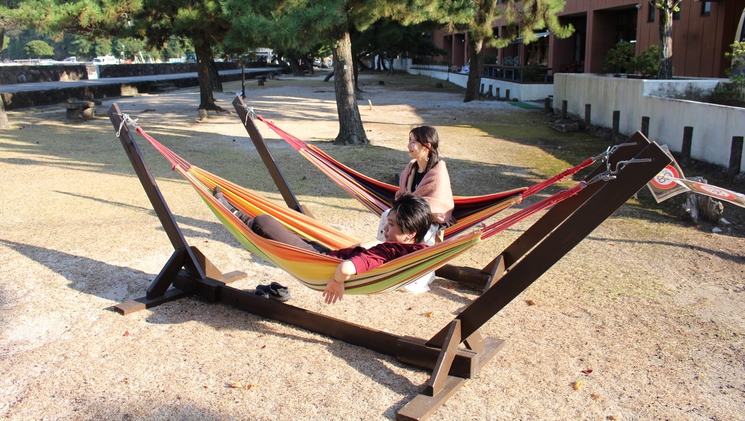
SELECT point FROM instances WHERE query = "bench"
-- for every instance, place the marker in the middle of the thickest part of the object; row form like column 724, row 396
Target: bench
column 80, row 109
column 160, row 88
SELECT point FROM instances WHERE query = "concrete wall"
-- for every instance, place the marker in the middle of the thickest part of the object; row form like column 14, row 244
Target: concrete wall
column 28, row 74
column 519, row 91
column 713, row 125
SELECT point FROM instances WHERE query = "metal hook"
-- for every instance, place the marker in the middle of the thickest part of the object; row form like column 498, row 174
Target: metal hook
column 125, row 119
column 249, row 113
column 611, row 150
column 610, row 174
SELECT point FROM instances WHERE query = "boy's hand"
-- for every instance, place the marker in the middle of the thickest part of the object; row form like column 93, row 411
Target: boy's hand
column 333, row 292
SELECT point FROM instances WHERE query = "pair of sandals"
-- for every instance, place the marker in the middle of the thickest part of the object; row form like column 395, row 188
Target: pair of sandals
column 274, row 291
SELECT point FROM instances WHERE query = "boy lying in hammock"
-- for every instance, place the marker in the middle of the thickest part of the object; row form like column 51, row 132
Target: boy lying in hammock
column 408, row 222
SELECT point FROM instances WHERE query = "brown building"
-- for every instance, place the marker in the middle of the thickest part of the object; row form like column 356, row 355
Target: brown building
column 702, row 32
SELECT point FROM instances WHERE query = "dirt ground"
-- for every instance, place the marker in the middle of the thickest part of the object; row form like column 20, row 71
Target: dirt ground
column 647, row 312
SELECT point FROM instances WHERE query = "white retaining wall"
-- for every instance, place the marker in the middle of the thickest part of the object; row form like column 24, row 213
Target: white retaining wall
column 519, row 91
column 713, row 125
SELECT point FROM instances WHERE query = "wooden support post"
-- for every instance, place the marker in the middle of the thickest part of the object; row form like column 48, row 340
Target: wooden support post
column 616, row 125
column 735, row 156
column 685, row 150
column 507, row 95
column 564, row 106
column 588, row 114
column 490, row 89
column 547, row 104
column 445, row 360
column 645, row 126
column 243, row 80
column 497, row 94
column 482, row 89
column 266, row 156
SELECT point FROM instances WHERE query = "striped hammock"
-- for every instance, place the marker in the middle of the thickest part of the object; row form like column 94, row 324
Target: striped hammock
column 313, row 269
column 378, row 196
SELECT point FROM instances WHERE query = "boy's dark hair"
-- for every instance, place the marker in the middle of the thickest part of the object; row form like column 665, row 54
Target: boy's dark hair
column 413, row 215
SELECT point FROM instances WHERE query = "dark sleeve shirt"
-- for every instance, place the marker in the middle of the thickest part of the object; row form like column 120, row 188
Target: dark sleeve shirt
column 368, row 259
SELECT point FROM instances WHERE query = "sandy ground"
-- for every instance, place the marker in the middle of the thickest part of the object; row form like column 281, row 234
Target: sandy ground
column 646, row 312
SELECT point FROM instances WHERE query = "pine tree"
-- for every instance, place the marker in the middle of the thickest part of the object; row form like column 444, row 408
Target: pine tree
column 522, row 17
column 201, row 21
column 666, row 8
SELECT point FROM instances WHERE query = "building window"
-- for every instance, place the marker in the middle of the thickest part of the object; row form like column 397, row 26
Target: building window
column 650, row 12
column 706, row 8
column 676, row 14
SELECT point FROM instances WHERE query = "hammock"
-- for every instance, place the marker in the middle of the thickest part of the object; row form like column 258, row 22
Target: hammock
column 378, row 196
column 314, row 269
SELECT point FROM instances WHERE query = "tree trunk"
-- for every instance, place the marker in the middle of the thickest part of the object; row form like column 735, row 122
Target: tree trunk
column 295, row 66
column 2, row 41
column 3, row 117
column 666, row 39
column 309, row 65
column 390, row 67
column 475, row 47
column 214, row 75
column 351, row 131
column 202, row 50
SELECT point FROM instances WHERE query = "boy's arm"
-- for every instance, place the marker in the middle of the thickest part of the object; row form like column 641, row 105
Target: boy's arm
column 335, row 288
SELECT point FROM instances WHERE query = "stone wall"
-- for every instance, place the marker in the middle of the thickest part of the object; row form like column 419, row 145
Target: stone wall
column 66, row 72
column 55, row 73
column 125, row 70
column 51, row 97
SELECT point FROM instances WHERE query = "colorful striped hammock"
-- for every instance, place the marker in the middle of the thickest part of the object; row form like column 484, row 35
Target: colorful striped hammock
column 378, row 196
column 314, row 269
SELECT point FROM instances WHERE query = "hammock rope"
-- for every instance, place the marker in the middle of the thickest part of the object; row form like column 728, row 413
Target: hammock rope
column 314, row 269
column 378, row 196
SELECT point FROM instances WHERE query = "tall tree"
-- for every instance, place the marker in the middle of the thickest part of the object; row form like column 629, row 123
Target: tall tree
column 335, row 21
column 522, row 19
column 666, row 8
column 202, row 21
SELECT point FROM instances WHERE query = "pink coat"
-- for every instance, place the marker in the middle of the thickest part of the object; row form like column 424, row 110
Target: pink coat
column 434, row 188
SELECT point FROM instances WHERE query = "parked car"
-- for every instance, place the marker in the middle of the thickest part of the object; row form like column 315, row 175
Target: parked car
column 70, row 60
column 106, row 60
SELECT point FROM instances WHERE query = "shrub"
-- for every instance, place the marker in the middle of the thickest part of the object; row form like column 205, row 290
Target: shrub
column 619, row 57
column 530, row 73
column 736, row 72
column 647, row 63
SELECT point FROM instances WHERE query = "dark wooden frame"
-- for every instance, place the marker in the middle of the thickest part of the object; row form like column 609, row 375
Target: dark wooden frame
column 457, row 352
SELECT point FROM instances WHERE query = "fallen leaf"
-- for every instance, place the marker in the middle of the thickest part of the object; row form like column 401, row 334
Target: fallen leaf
column 578, row 385
column 236, row 385
column 408, row 309
column 126, row 333
column 530, row 302
column 263, row 346
column 249, row 386
column 428, row 314
column 587, row 371
column 450, row 286
column 611, row 417
column 596, row 397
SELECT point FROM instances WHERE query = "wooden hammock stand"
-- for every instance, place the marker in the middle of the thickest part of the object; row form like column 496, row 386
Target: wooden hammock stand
column 457, row 352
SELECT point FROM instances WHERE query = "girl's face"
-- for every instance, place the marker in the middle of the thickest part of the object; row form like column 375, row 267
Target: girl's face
column 393, row 233
column 416, row 150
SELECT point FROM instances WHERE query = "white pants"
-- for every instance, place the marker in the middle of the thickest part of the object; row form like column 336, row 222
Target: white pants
column 422, row 283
